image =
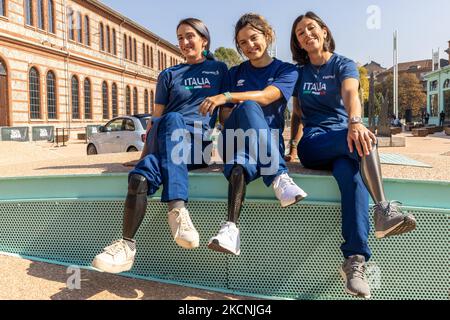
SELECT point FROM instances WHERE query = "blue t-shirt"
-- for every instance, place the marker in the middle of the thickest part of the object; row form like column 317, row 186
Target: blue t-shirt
column 319, row 92
column 282, row 75
column 183, row 88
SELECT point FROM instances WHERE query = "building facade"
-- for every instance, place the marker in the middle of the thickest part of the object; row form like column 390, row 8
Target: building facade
column 438, row 91
column 70, row 63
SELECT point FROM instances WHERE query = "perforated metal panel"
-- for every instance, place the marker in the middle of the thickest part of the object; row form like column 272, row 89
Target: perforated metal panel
column 291, row 252
column 295, row 252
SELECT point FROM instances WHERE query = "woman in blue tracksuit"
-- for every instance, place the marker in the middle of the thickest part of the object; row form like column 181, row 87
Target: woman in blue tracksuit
column 175, row 144
column 260, row 89
column 327, row 103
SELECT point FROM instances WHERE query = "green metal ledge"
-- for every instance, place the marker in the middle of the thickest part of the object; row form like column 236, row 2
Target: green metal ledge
column 427, row 194
column 288, row 253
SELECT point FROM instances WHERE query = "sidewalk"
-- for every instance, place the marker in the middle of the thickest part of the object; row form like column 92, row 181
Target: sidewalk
column 23, row 279
column 36, row 159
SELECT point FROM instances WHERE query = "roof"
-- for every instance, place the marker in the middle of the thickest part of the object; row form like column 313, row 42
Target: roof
column 373, row 63
column 420, row 64
column 374, row 67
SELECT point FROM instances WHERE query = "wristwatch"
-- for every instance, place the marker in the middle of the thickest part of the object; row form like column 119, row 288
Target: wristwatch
column 228, row 96
column 355, row 120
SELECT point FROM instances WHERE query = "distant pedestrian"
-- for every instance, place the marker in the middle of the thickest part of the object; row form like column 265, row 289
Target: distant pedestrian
column 427, row 117
column 441, row 118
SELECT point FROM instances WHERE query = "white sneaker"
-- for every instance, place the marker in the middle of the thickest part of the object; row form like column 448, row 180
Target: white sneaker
column 183, row 231
column 287, row 191
column 227, row 240
column 116, row 258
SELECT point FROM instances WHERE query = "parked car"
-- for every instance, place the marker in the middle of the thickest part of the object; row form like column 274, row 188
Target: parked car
column 121, row 134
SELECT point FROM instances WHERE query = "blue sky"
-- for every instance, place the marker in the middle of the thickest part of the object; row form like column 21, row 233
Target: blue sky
column 422, row 26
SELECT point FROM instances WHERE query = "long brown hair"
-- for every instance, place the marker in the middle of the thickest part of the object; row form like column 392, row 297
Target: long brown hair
column 257, row 22
column 300, row 55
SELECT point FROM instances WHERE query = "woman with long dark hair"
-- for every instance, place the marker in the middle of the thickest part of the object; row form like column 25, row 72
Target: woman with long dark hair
column 327, row 107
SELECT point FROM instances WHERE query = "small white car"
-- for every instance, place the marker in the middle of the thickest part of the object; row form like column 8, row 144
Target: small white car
column 121, row 134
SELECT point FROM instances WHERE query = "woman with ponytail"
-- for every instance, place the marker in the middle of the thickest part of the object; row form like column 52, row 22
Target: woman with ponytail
column 259, row 91
column 175, row 145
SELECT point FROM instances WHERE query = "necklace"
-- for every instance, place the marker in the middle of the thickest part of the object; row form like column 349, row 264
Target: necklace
column 317, row 70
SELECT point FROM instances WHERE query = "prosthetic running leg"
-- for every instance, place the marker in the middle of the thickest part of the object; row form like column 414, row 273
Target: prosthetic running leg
column 228, row 238
column 135, row 206
column 388, row 218
column 119, row 256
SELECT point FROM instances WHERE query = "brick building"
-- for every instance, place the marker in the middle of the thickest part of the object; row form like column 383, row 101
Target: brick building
column 375, row 68
column 75, row 62
column 418, row 68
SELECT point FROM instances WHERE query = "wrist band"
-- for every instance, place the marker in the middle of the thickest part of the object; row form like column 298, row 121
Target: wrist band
column 228, row 96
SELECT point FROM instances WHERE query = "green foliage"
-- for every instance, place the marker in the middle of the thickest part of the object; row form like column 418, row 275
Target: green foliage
column 410, row 93
column 364, row 84
column 228, row 55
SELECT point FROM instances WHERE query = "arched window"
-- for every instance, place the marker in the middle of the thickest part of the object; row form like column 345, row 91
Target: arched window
column 151, row 57
column 144, row 55
column 80, row 28
column 146, row 106
column 447, row 83
column 51, row 95
column 102, row 37
column 159, row 61
column 128, row 101
column 108, row 39
column 70, row 24
column 114, row 42
column 105, row 100
column 87, row 31
column 135, row 50
column 87, row 99
column 130, row 48
column 51, row 16
column 2, row 69
column 35, row 94
column 434, row 85
column 40, row 14
column 152, row 102
column 29, row 12
column 125, row 47
column 115, row 109
column 2, row 8
column 75, row 98
column 135, row 101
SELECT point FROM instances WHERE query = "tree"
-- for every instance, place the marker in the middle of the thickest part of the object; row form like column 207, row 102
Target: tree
column 228, row 55
column 364, row 84
column 410, row 94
